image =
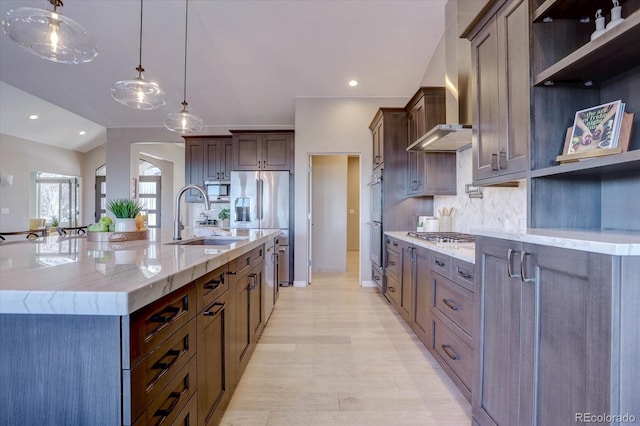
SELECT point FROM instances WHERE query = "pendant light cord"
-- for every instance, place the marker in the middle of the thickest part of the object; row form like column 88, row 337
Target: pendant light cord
column 186, row 32
column 140, row 69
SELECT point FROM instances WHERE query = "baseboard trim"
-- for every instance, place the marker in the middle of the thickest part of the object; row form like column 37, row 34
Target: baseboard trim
column 368, row 284
column 299, row 283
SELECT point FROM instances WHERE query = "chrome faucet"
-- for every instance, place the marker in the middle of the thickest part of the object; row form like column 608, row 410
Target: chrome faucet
column 177, row 226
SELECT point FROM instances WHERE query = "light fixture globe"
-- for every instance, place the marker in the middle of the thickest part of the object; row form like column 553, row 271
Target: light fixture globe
column 183, row 122
column 49, row 35
column 139, row 93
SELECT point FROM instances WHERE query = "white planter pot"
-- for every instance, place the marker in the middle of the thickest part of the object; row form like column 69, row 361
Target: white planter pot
column 125, row 225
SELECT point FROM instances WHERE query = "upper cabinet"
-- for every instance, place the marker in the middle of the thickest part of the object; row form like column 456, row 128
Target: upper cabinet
column 262, row 150
column 430, row 173
column 571, row 72
column 218, row 153
column 206, row 159
column 500, row 83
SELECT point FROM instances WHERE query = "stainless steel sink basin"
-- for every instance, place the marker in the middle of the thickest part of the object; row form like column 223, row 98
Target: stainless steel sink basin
column 211, row 241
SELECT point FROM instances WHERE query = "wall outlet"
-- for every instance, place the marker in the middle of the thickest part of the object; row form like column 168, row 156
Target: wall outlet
column 4, row 211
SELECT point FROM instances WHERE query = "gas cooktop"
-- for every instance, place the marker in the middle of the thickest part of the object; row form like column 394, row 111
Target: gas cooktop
column 452, row 238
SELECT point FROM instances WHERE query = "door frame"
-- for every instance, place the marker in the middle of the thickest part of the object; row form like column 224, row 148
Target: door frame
column 310, row 156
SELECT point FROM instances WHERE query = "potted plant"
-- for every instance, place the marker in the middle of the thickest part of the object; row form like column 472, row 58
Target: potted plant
column 53, row 227
column 224, row 217
column 125, row 211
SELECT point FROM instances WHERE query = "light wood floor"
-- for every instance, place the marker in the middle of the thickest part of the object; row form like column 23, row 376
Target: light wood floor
column 334, row 353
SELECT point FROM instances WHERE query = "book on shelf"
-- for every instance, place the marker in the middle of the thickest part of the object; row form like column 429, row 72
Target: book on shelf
column 596, row 128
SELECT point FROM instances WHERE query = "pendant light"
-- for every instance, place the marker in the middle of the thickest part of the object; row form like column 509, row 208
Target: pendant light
column 184, row 122
column 50, row 35
column 139, row 93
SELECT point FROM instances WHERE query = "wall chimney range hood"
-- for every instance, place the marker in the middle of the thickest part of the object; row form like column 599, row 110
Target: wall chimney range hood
column 444, row 137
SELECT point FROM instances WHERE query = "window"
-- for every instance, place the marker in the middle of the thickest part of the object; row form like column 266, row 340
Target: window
column 149, row 191
column 57, row 198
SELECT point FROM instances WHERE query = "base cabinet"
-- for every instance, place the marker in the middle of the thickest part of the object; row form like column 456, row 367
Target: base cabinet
column 423, row 298
column 173, row 362
column 548, row 335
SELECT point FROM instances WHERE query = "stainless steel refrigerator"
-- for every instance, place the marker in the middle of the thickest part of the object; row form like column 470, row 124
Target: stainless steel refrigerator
column 260, row 200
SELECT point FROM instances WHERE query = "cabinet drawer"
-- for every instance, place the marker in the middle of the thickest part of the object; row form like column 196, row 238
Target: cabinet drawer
column 441, row 263
column 150, row 376
column 394, row 264
column 393, row 291
column 243, row 264
column 464, row 273
column 189, row 414
column 392, row 244
column 455, row 302
column 210, row 286
column 171, row 401
column 377, row 277
column 152, row 324
column 455, row 353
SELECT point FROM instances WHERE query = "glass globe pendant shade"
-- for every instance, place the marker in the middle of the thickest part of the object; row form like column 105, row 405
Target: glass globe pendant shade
column 49, row 35
column 183, row 122
column 139, row 93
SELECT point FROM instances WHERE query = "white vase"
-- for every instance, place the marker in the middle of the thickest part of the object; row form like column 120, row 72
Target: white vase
column 125, row 225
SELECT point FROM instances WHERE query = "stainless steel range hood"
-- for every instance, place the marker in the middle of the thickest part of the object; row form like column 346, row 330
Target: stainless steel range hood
column 444, row 137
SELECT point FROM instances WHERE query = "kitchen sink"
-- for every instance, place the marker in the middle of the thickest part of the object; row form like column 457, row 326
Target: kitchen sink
column 210, row 241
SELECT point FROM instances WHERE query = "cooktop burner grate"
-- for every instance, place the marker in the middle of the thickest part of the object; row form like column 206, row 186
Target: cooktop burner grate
column 444, row 237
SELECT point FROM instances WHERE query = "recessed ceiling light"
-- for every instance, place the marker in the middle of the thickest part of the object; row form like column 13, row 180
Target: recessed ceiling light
column 33, row 117
column 82, row 132
column 353, row 83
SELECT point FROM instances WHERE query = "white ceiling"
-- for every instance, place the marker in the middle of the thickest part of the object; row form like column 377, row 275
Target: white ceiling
column 247, row 62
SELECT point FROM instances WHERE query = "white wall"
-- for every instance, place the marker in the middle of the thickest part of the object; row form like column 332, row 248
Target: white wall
column 333, row 126
column 19, row 157
column 329, row 213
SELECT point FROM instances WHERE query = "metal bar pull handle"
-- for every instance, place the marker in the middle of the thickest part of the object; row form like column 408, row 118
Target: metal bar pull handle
column 214, row 283
column 510, row 254
column 449, row 351
column 523, row 274
column 211, row 313
column 451, row 304
column 261, row 199
column 494, row 161
column 258, row 198
column 254, row 280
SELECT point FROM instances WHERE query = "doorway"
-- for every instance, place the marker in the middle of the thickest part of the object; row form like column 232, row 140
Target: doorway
column 334, row 213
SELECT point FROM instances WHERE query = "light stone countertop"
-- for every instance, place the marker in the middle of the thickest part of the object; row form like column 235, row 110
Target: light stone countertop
column 70, row 275
column 466, row 252
column 615, row 243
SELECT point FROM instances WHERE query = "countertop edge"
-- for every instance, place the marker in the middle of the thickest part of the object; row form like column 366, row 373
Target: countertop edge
column 614, row 243
column 118, row 303
column 456, row 253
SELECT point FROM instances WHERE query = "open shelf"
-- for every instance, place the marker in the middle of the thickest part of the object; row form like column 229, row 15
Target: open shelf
column 566, row 9
column 605, row 57
column 626, row 161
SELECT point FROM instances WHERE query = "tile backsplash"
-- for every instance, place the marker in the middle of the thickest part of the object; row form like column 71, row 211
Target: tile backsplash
column 500, row 208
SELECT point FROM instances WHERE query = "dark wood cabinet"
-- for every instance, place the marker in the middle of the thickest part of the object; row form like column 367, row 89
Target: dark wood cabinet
column 423, row 297
column 548, row 332
column 248, row 284
column 206, row 159
column 428, row 173
column 262, row 150
column 218, row 159
column 569, row 73
column 193, row 168
column 377, row 136
column 501, row 112
column 405, row 307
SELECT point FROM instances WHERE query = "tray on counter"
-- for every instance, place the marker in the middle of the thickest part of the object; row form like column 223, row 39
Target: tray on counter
column 117, row 236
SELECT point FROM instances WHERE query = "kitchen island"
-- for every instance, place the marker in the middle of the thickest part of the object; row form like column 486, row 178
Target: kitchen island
column 113, row 332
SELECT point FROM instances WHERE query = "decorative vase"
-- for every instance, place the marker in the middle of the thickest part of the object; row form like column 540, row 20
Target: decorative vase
column 616, row 15
column 599, row 25
column 125, row 225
